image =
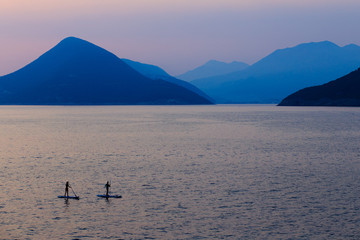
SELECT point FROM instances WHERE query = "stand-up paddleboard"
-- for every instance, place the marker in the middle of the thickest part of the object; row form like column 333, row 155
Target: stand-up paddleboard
column 109, row 196
column 70, row 197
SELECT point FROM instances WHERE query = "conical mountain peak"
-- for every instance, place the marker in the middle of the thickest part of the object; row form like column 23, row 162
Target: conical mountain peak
column 74, row 42
column 73, row 39
column 71, row 47
column 76, row 71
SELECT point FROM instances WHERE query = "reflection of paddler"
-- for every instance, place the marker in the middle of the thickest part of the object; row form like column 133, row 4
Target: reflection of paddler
column 67, row 186
column 107, row 186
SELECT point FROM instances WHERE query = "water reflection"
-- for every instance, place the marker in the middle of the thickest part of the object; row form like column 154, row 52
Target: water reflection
column 211, row 172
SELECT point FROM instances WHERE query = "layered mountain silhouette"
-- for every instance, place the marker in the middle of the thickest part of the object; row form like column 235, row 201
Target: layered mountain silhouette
column 155, row 72
column 344, row 91
column 148, row 70
column 213, row 68
column 283, row 72
column 78, row 72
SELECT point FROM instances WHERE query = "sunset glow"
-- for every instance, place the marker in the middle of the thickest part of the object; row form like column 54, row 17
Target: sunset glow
column 177, row 35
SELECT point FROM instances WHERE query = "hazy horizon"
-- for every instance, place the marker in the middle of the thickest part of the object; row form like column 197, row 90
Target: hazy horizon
column 177, row 35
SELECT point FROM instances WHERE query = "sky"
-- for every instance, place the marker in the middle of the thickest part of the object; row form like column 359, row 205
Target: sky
column 177, row 35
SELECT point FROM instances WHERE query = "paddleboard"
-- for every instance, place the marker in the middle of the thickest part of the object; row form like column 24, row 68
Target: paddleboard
column 109, row 196
column 70, row 197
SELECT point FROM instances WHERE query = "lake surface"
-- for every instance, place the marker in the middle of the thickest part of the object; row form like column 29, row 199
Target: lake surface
column 185, row 172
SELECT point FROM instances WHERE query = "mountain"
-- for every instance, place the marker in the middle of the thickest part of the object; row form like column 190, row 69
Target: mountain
column 344, row 91
column 155, row 73
column 283, row 72
column 78, row 72
column 212, row 68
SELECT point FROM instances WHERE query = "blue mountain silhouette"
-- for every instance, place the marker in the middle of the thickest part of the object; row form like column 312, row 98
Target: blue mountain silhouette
column 344, row 91
column 282, row 73
column 78, row 72
column 155, row 72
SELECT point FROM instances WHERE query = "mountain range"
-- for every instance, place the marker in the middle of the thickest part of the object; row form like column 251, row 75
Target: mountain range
column 78, row 72
column 283, row 72
column 344, row 91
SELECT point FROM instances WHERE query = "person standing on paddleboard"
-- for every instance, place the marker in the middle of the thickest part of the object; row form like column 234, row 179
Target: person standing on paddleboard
column 107, row 186
column 67, row 186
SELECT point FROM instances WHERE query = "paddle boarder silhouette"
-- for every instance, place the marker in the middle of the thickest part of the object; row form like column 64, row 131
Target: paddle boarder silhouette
column 107, row 186
column 67, row 186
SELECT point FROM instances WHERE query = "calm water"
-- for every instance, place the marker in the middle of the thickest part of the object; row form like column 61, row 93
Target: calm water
column 197, row 172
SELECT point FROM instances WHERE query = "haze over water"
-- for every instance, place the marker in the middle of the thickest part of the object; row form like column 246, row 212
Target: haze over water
column 185, row 172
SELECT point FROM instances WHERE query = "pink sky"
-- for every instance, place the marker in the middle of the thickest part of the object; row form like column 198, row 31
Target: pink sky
column 175, row 35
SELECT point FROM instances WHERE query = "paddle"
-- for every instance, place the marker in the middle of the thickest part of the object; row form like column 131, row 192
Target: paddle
column 74, row 192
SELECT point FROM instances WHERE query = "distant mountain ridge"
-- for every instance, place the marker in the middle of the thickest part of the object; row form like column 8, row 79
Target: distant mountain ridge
column 283, row 72
column 155, row 73
column 344, row 91
column 78, row 72
column 213, row 68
